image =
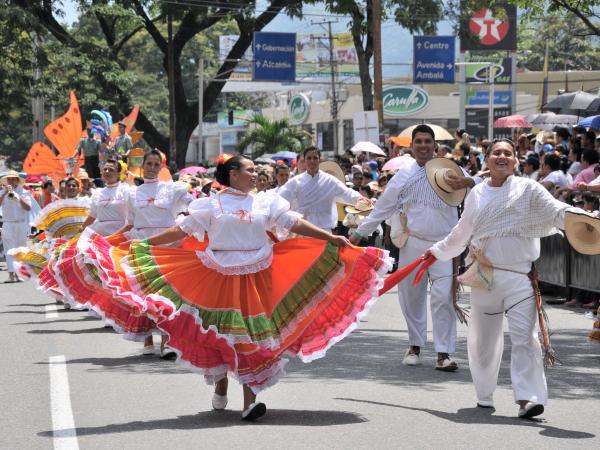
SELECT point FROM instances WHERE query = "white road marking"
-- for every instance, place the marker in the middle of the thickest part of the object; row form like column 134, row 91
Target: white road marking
column 63, row 425
column 51, row 311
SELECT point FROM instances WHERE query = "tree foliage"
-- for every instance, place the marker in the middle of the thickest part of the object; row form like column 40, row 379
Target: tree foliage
column 272, row 136
column 569, row 46
column 414, row 15
column 102, row 42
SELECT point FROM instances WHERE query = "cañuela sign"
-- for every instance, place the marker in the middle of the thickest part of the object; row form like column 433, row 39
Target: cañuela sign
column 401, row 101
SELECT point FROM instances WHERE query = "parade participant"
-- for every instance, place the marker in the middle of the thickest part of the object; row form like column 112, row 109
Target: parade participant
column 90, row 146
column 282, row 176
column 242, row 304
column 152, row 208
column 123, row 141
column 314, row 193
column 503, row 219
column 428, row 220
column 46, row 194
column 108, row 207
column 16, row 203
column 80, row 286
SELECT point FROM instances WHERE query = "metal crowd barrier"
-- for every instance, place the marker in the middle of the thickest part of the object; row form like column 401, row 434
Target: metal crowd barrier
column 560, row 265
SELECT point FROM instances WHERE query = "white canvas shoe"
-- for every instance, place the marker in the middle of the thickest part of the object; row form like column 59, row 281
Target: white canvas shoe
column 411, row 359
column 531, row 410
column 219, row 402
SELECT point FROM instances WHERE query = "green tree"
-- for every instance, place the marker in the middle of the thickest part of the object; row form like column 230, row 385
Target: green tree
column 272, row 136
column 118, row 21
column 568, row 45
column 414, row 15
column 16, row 71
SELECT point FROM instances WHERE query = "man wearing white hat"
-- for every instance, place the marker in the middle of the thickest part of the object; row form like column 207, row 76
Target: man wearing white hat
column 16, row 203
column 314, row 193
column 428, row 220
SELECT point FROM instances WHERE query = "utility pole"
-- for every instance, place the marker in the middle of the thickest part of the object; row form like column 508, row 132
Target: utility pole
column 37, row 102
column 171, row 75
column 200, row 109
column 377, row 61
column 334, row 101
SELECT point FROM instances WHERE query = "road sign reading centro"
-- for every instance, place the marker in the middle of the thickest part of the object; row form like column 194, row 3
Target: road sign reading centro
column 298, row 109
column 433, row 59
column 274, row 57
column 399, row 101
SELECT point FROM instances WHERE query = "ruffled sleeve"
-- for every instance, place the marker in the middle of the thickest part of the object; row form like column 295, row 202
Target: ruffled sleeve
column 281, row 218
column 198, row 220
column 181, row 195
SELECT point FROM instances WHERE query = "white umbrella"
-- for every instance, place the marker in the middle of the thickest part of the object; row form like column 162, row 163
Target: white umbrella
column 440, row 133
column 367, row 147
column 549, row 121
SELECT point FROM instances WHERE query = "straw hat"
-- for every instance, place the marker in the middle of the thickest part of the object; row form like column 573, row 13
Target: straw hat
column 583, row 232
column 437, row 171
column 83, row 175
column 12, row 174
column 333, row 168
column 360, row 208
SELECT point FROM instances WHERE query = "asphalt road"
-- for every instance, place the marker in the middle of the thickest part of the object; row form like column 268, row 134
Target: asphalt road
column 69, row 383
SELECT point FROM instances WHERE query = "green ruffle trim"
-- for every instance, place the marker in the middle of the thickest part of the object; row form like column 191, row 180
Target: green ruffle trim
column 232, row 322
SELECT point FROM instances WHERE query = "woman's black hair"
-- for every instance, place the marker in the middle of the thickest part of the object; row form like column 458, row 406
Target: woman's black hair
column 153, row 152
column 46, row 184
column 115, row 162
column 223, row 169
column 366, row 188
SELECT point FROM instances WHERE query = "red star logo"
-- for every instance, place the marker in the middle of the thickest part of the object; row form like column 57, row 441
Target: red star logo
column 489, row 29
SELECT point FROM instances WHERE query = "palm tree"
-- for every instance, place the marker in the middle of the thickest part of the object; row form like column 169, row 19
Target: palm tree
column 272, row 136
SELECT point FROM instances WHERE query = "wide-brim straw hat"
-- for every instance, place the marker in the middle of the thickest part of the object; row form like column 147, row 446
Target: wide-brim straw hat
column 437, row 171
column 333, row 168
column 360, row 208
column 12, row 174
column 583, row 232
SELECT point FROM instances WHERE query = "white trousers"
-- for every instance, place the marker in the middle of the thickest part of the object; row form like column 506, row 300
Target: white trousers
column 486, row 339
column 14, row 234
column 413, row 300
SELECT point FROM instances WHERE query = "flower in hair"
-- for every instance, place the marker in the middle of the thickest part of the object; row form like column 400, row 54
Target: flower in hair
column 222, row 159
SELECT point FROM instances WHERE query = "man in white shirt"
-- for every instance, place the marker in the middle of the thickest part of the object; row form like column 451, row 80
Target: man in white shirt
column 282, row 175
column 314, row 193
column 428, row 220
column 16, row 203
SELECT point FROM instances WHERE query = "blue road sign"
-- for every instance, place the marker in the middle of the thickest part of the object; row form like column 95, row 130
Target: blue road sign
column 433, row 59
column 274, row 57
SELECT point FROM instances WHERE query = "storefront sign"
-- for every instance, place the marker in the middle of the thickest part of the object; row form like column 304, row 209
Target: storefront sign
column 299, row 109
column 399, row 101
column 478, row 73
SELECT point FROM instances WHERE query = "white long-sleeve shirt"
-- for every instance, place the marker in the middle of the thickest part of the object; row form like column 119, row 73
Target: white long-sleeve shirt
column 12, row 210
column 423, row 221
column 315, row 197
column 506, row 251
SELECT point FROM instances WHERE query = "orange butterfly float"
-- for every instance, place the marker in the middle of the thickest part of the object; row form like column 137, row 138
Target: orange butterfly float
column 64, row 133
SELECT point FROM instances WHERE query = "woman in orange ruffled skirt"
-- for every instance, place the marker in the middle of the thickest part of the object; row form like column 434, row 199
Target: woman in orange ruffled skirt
column 241, row 304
